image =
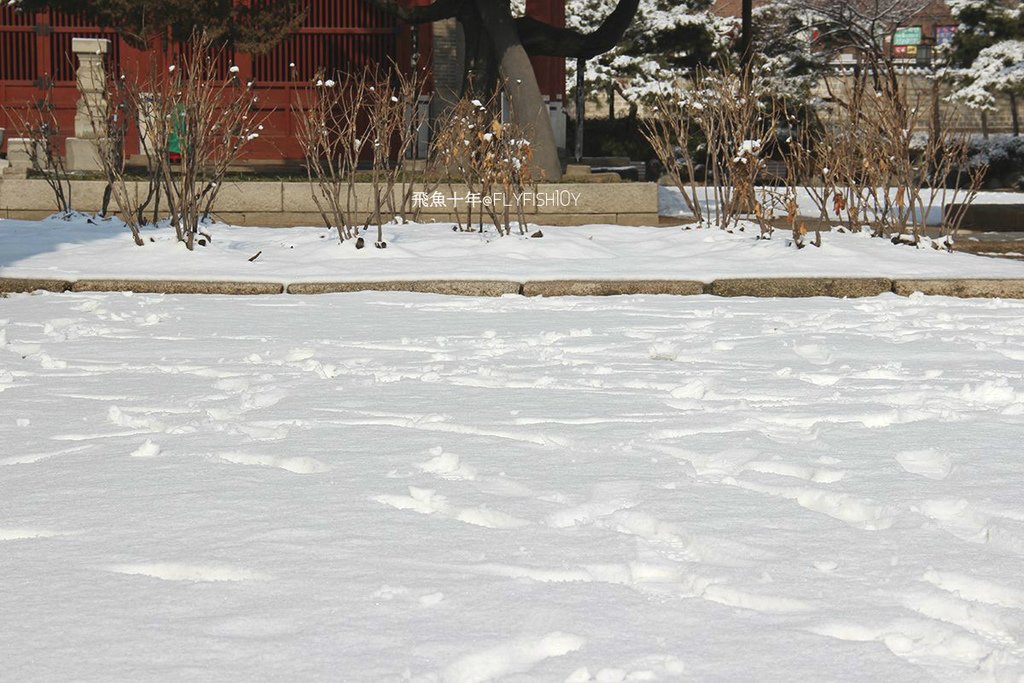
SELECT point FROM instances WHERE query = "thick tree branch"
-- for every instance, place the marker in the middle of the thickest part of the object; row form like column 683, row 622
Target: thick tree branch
column 542, row 39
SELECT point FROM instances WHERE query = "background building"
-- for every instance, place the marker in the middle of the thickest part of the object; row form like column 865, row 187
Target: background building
column 37, row 65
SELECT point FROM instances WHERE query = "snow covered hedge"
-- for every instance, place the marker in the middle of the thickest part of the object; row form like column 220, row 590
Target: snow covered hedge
column 1004, row 156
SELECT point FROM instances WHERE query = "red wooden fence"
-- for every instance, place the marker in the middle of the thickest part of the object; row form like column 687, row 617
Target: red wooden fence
column 35, row 53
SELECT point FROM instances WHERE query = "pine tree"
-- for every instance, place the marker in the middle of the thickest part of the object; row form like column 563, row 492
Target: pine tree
column 785, row 52
column 986, row 57
column 663, row 45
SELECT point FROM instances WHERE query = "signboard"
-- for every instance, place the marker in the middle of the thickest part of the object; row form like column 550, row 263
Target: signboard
column 908, row 35
column 905, row 50
column 944, row 34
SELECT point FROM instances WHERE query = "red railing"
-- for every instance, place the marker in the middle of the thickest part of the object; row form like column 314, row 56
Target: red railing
column 35, row 54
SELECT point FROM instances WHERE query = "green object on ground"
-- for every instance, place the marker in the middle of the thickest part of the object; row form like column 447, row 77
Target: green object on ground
column 177, row 130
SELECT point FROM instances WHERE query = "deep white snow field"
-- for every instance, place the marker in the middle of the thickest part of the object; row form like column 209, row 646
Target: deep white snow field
column 392, row 487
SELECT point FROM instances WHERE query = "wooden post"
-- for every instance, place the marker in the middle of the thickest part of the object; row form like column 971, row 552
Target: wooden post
column 1014, row 115
column 581, row 67
column 746, row 31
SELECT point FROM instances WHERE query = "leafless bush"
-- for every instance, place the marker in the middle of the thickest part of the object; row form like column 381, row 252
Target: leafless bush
column 394, row 121
column 214, row 117
column 476, row 150
column 110, row 118
column 875, row 160
column 332, row 133
column 735, row 114
column 41, row 129
column 885, row 168
column 343, row 118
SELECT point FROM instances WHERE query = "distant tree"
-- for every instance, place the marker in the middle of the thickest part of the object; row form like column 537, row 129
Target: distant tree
column 252, row 27
column 661, row 47
column 785, row 51
column 861, row 25
column 986, row 57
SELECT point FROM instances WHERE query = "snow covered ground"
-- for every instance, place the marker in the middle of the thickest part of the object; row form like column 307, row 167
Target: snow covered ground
column 55, row 249
column 389, row 487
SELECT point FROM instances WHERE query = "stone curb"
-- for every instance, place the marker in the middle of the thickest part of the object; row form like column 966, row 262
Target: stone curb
column 1002, row 289
column 612, row 287
column 798, row 287
column 792, row 287
column 452, row 287
column 17, row 285
column 177, row 287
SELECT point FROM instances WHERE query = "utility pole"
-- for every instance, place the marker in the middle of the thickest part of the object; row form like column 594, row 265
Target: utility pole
column 746, row 31
column 581, row 67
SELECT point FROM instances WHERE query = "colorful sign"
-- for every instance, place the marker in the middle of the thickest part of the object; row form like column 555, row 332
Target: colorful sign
column 908, row 35
column 944, row 34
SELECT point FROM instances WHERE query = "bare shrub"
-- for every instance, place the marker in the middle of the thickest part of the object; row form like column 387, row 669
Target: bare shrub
column 332, row 134
column 670, row 133
column 735, row 114
column 110, row 118
column 41, row 129
column 393, row 125
column 214, row 117
column 887, row 169
column 474, row 149
column 875, row 160
column 342, row 118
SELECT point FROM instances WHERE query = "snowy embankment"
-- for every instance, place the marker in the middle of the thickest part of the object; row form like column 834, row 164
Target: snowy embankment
column 671, row 202
column 377, row 487
column 57, row 249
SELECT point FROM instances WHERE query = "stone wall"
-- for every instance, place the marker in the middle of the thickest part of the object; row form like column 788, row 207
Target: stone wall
column 920, row 91
column 284, row 204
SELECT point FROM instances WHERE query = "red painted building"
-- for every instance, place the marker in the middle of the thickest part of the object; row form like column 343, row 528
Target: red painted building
column 35, row 54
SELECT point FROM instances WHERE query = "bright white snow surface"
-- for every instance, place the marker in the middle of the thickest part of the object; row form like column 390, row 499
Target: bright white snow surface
column 57, row 249
column 389, row 487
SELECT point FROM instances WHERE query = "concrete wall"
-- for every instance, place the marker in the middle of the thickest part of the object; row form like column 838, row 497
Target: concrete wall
column 283, row 204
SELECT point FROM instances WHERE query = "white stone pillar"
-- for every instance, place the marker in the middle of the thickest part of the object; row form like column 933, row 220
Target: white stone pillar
column 20, row 155
column 83, row 148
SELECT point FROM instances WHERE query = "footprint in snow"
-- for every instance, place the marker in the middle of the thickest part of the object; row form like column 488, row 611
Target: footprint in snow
column 173, row 571
column 25, row 534
column 429, row 502
column 511, row 657
column 296, row 465
column 816, row 354
column 928, row 463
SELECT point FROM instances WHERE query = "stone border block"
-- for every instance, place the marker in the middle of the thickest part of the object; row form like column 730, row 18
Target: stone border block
column 964, row 288
column 177, row 287
column 801, row 287
column 250, row 196
column 12, row 285
column 451, row 287
column 612, row 287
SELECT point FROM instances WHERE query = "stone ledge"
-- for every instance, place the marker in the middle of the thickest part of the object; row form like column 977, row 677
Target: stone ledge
column 964, row 288
column 452, row 287
column 800, row 287
column 177, row 287
column 612, row 287
column 257, row 202
column 12, row 285
column 730, row 287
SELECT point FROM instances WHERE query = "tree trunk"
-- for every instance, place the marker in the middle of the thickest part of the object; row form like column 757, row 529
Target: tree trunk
column 528, row 108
